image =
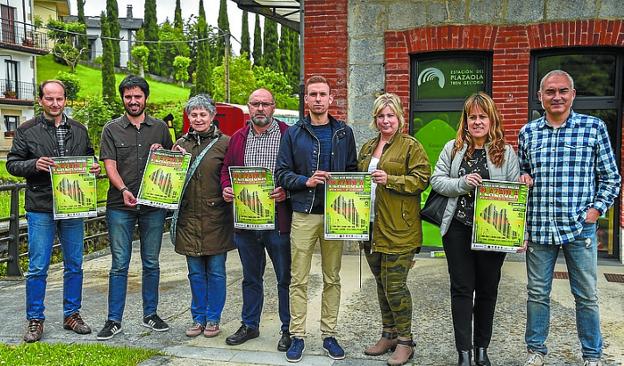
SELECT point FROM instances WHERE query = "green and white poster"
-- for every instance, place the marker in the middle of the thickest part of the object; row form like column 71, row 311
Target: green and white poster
column 347, row 206
column 74, row 191
column 499, row 216
column 254, row 209
column 163, row 179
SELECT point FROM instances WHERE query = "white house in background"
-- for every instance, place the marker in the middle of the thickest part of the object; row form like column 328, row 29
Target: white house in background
column 128, row 28
column 20, row 43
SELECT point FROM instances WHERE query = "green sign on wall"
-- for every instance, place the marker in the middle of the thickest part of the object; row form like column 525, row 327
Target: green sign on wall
column 449, row 79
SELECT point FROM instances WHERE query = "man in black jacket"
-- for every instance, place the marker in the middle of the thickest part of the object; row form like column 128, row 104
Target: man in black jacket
column 35, row 145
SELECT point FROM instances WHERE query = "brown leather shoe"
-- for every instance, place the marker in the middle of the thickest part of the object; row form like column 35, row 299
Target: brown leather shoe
column 74, row 322
column 403, row 353
column 34, row 330
column 387, row 342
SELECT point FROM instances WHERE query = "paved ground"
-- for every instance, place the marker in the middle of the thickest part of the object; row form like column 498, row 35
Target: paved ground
column 359, row 322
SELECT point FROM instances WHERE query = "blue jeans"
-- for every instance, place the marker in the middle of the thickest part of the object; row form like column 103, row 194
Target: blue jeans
column 208, row 286
column 251, row 246
column 42, row 228
column 120, row 227
column 581, row 261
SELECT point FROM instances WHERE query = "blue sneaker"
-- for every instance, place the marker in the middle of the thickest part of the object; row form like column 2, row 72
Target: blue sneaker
column 333, row 349
column 295, row 352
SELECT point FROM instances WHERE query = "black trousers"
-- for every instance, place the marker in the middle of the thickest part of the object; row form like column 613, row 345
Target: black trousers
column 472, row 272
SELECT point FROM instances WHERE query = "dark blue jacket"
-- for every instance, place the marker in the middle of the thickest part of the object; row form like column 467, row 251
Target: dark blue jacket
column 298, row 159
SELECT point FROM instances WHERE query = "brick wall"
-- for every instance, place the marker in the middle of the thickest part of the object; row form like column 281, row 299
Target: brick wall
column 325, row 42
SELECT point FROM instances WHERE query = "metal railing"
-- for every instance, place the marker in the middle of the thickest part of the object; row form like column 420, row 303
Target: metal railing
column 11, row 89
column 23, row 35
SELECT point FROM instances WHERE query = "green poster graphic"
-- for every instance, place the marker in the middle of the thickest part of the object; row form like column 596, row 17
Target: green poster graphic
column 347, row 206
column 499, row 216
column 163, row 179
column 74, row 192
column 254, row 209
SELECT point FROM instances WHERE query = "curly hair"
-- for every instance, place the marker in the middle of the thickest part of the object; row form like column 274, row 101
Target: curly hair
column 495, row 137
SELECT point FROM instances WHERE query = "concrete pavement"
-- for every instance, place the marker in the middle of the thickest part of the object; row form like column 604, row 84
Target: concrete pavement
column 359, row 322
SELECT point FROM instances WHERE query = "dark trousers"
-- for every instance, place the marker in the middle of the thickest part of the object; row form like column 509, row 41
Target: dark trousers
column 251, row 249
column 472, row 272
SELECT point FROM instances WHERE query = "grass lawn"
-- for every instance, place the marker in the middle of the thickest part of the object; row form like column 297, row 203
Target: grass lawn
column 91, row 81
column 71, row 354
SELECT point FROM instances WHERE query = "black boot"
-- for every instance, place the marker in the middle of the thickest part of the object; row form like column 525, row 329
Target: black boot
column 464, row 358
column 481, row 357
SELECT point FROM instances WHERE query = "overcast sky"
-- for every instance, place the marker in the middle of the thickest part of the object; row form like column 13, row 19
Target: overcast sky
column 166, row 9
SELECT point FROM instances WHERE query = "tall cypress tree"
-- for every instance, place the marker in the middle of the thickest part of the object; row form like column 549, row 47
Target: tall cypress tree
column 82, row 40
column 203, row 70
column 294, row 59
column 178, row 22
column 285, row 54
column 270, row 52
column 112, row 15
column 108, row 62
column 150, row 30
column 245, row 41
column 224, row 26
column 257, row 47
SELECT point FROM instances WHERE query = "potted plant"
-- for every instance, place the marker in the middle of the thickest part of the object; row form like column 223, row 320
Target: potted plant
column 10, row 94
column 28, row 42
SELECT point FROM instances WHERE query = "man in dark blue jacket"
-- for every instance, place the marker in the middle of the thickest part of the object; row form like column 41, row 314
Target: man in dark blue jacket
column 309, row 151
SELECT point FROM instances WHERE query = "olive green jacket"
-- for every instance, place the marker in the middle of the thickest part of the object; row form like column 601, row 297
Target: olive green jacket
column 397, row 227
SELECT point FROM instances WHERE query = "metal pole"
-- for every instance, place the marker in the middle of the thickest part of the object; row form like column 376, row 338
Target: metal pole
column 301, row 60
column 227, row 67
column 13, row 268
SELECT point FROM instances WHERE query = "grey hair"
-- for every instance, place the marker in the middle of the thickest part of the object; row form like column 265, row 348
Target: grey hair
column 200, row 101
column 556, row 72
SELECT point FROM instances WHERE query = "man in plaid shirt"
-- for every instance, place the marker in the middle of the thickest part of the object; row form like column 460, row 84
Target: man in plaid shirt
column 567, row 159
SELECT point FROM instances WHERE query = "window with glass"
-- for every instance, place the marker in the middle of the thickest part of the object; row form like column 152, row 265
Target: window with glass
column 440, row 82
column 10, row 123
column 598, row 80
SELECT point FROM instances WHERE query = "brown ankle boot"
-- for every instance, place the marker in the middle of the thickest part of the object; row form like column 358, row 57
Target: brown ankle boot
column 387, row 342
column 403, row 353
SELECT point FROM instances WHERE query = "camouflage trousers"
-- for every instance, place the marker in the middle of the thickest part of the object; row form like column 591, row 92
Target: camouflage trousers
column 395, row 300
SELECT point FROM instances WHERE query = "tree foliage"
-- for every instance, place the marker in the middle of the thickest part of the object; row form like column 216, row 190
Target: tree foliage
column 169, row 50
column 270, row 52
column 108, row 64
column 178, row 23
column 94, row 113
column 150, row 30
column 245, row 41
column 257, row 46
column 203, row 67
column 180, row 65
column 279, row 86
column 140, row 56
column 223, row 24
column 82, row 39
column 112, row 17
column 285, row 54
column 71, row 82
column 242, row 81
column 64, row 36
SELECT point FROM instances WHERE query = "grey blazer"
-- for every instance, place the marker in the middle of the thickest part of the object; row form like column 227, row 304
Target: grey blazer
column 446, row 181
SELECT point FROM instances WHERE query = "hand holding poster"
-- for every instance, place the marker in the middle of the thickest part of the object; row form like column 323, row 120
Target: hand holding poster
column 254, row 208
column 73, row 187
column 499, row 216
column 163, row 179
column 347, row 206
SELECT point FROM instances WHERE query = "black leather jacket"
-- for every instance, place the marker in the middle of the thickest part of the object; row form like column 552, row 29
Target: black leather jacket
column 36, row 138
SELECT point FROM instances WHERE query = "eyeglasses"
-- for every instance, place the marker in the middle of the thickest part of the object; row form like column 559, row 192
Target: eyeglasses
column 263, row 104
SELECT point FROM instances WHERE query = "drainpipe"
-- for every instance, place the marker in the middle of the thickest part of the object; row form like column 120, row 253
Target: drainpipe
column 301, row 61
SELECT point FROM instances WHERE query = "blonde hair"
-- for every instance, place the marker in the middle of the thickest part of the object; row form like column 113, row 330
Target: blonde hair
column 388, row 100
column 495, row 136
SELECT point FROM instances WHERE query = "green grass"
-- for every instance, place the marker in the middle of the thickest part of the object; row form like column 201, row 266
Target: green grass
column 71, row 354
column 91, row 81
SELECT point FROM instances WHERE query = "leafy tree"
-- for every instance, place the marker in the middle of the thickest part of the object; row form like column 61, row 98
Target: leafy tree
column 150, row 29
column 112, row 15
column 95, row 113
column 108, row 64
column 279, row 86
column 72, row 84
column 203, row 68
column 224, row 27
column 178, row 23
column 64, row 36
column 140, row 56
column 295, row 65
column 285, row 54
column 242, row 81
column 257, row 47
column 181, row 64
column 245, row 41
column 168, row 49
column 82, row 40
column 270, row 53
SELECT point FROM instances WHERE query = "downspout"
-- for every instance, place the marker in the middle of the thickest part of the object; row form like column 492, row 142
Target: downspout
column 301, row 60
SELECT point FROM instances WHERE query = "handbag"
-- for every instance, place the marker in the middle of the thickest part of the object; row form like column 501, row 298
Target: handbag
column 434, row 208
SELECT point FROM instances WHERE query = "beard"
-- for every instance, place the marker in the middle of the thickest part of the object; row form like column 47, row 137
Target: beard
column 262, row 121
column 132, row 113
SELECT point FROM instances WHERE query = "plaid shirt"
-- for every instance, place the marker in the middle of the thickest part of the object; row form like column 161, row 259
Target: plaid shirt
column 261, row 149
column 61, row 132
column 573, row 169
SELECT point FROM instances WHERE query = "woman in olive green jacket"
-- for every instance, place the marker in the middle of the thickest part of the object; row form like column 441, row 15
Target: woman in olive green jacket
column 399, row 173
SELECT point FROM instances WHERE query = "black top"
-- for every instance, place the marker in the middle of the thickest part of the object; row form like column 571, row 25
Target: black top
column 129, row 147
column 477, row 163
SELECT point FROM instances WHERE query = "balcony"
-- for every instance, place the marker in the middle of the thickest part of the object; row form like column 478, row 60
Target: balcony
column 23, row 37
column 16, row 92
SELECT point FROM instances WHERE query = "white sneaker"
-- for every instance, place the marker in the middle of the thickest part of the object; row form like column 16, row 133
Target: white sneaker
column 534, row 359
column 592, row 363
